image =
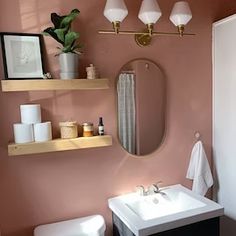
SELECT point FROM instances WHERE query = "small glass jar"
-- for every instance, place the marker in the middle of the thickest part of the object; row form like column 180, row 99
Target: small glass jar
column 87, row 129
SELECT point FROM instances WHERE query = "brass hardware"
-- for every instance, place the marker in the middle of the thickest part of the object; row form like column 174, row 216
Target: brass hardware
column 141, row 33
column 116, row 26
column 181, row 30
column 143, row 39
column 197, row 136
column 150, row 28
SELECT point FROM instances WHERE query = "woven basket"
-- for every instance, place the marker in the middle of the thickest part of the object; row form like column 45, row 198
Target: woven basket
column 69, row 129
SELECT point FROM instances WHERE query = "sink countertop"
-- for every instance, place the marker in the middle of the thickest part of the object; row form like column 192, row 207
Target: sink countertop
column 198, row 209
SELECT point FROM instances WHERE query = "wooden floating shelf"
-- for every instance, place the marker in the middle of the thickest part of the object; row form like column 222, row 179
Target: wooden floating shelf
column 58, row 145
column 53, row 84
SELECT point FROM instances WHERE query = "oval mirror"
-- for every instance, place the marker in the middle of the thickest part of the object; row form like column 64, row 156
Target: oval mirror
column 141, row 95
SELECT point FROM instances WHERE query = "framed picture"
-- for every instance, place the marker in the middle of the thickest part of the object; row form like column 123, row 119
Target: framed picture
column 22, row 55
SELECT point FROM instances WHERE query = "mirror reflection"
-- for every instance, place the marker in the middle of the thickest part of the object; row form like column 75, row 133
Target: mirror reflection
column 141, row 106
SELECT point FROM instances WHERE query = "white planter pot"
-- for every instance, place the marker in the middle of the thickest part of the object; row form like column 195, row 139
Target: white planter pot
column 69, row 65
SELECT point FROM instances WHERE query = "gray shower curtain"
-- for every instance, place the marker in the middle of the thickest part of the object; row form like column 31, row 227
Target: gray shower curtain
column 126, row 111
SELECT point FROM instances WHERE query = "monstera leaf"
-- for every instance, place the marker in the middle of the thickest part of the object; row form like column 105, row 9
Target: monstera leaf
column 51, row 31
column 56, row 20
column 66, row 20
column 70, row 40
column 62, row 33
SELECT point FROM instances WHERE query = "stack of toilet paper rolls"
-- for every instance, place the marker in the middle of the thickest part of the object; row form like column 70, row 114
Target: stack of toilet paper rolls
column 31, row 127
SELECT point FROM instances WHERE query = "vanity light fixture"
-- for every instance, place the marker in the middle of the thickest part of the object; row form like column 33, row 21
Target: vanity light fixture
column 116, row 11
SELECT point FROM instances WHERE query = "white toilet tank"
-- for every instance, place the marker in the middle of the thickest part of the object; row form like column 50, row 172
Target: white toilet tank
column 86, row 226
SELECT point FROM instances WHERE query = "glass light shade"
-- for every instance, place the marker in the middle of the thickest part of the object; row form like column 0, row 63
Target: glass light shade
column 115, row 10
column 149, row 12
column 181, row 13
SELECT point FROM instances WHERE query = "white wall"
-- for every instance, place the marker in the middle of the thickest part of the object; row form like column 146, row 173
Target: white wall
column 224, row 119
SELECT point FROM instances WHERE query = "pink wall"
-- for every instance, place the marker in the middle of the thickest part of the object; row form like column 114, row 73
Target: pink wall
column 38, row 189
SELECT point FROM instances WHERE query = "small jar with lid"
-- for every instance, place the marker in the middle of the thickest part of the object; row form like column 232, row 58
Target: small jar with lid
column 88, row 129
column 69, row 129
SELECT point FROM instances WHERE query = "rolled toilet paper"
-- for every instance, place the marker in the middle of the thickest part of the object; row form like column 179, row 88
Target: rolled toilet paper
column 23, row 133
column 43, row 132
column 30, row 113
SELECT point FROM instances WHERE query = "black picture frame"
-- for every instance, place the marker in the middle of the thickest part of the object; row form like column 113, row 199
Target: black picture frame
column 22, row 55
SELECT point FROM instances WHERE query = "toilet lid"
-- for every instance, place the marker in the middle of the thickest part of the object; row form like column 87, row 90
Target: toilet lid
column 77, row 227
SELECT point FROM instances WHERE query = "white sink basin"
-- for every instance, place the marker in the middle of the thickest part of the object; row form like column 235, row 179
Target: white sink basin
column 168, row 202
column 174, row 207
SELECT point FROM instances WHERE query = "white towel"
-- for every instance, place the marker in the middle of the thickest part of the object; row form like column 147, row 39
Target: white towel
column 199, row 170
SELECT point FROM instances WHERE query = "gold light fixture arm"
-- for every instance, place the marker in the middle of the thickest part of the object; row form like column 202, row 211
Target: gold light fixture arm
column 130, row 32
column 144, row 38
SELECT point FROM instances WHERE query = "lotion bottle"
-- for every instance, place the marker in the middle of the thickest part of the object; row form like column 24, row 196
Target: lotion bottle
column 100, row 127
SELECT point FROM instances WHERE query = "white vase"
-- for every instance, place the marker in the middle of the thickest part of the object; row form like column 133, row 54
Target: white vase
column 69, row 65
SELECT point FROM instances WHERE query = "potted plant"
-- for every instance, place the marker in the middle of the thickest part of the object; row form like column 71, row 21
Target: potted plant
column 70, row 48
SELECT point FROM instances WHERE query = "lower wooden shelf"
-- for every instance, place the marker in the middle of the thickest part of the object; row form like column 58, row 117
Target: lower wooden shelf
column 58, row 145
